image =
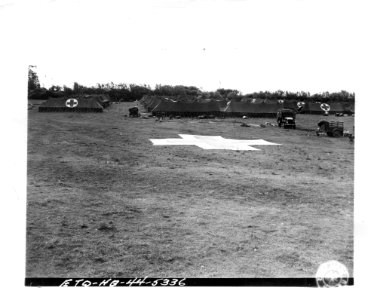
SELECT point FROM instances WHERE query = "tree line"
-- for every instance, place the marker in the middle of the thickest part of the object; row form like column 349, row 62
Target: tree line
column 132, row 92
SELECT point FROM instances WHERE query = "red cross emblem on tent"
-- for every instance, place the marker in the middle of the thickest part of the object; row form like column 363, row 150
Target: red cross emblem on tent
column 325, row 107
column 212, row 142
column 71, row 103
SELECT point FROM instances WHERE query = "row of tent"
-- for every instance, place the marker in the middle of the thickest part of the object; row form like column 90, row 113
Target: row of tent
column 83, row 103
column 317, row 108
column 250, row 107
column 165, row 105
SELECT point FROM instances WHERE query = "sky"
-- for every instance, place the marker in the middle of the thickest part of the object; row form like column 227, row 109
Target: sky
column 248, row 45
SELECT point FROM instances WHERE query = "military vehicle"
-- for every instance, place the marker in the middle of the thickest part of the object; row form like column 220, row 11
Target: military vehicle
column 286, row 118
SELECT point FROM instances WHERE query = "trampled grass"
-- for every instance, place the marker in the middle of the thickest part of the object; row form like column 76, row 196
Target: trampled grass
column 103, row 201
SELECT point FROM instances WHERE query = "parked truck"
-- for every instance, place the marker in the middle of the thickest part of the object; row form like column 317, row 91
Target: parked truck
column 286, row 118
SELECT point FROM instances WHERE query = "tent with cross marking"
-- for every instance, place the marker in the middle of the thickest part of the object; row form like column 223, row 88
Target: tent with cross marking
column 313, row 108
column 72, row 104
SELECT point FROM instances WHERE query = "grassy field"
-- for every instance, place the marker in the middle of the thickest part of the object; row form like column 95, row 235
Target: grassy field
column 104, row 202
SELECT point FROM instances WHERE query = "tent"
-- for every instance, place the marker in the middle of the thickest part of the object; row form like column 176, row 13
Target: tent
column 313, row 108
column 316, row 108
column 72, row 104
column 103, row 99
column 336, row 108
column 187, row 108
column 252, row 100
column 291, row 104
column 349, row 108
column 261, row 109
column 247, row 106
column 150, row 102
column 36, row 102
column 222, row 104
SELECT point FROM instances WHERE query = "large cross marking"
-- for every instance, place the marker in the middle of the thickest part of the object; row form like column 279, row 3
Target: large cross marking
column 212, row 142
column 325, row 107
column 71, row 103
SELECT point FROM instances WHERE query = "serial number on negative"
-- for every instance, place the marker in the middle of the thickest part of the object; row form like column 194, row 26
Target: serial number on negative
column 126, row 282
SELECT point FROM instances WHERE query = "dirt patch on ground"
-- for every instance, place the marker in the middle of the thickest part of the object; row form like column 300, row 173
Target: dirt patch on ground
column 103, row 201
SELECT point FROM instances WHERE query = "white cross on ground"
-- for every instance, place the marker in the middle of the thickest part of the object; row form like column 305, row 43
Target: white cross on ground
column 212, row 142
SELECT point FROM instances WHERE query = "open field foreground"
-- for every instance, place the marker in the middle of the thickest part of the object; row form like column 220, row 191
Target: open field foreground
column 104, row 202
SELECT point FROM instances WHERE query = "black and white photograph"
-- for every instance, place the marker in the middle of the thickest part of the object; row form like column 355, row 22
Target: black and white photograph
column 188, row 142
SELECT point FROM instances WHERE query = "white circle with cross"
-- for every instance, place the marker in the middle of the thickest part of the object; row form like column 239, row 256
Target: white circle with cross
column 325, row 107
column 71, row 103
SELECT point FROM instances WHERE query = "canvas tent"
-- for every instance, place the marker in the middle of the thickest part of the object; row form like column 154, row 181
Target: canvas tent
column 349, row 108
column 260, row 109
column 187, row 108
column 291, row 104
column 247, row 106
column 72, row 104
column 346, row 108
column 103, row 99
column 252, row 100
column 150, row 102
column 222, row 104
column 313, row 108
column 316, row 108
column 336, row 108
